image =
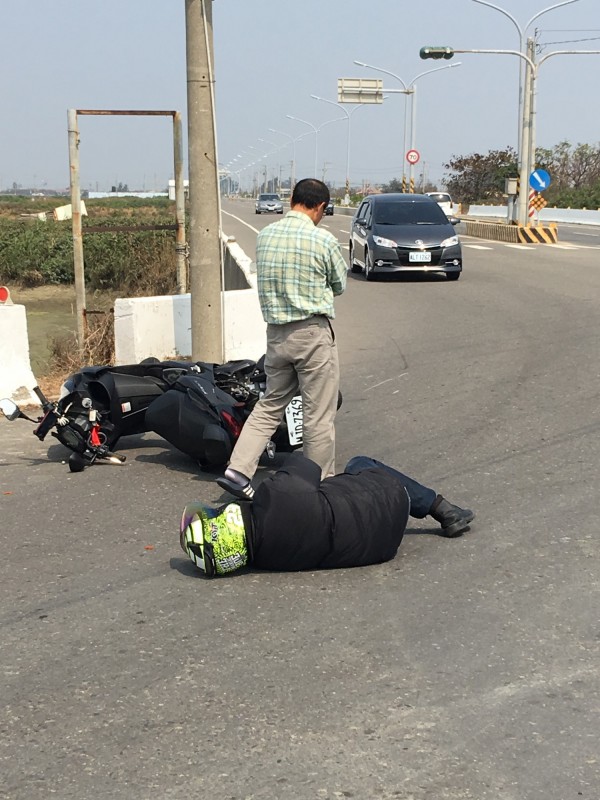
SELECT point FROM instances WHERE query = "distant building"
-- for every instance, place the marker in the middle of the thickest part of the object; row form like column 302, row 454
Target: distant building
column 100, row 195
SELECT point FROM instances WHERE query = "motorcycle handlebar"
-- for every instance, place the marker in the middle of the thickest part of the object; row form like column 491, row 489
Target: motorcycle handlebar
column 40, row 395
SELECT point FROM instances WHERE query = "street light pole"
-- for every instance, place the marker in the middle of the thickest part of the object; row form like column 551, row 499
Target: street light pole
column 411, row 90
column 528, row 135
column 521, row 32
column 293, row 141
column 277, row 149
column 316, row 130
column 348, row 117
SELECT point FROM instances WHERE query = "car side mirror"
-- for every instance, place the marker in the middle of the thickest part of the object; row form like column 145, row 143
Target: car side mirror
column 9, row 409
column 361, row 221
column 453, row 220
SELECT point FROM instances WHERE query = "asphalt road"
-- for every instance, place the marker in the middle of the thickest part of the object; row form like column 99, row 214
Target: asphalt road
column 465, row 668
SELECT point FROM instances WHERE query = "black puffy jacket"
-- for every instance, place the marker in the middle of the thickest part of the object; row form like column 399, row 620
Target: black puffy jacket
column 301, row 522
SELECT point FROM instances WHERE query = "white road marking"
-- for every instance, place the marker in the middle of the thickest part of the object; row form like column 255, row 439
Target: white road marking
column 478, row 247
column 247, row 224
column 519, row 246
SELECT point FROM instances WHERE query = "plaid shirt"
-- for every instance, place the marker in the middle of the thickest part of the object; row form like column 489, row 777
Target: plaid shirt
column 299, row 270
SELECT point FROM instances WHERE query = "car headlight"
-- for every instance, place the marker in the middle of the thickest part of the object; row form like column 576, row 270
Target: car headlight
column 449, row 242
column 381, row 242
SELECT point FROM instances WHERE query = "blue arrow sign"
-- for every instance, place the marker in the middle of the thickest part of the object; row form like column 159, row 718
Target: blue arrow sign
column 539, row 180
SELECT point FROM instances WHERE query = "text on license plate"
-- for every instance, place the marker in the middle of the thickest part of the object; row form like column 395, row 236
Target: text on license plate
column 421, row 257
column 293, row 417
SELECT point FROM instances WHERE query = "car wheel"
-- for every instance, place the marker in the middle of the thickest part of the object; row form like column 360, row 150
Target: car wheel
column 369, row 274
column 354, row 267
column 452, row 276
column 258, row 212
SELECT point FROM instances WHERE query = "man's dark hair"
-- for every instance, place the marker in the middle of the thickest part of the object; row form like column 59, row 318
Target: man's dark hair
column 310, row 193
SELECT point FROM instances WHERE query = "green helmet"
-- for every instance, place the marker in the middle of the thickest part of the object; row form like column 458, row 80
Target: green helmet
column 214, row 538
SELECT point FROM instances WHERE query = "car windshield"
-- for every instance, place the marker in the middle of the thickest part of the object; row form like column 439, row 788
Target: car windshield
column 407, row 213
column 269, row 197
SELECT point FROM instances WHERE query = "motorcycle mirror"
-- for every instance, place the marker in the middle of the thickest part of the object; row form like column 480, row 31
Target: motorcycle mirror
column 9, row 409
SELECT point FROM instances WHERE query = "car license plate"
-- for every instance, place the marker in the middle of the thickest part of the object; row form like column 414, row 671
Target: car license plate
column 420, row 257
column 293, row 416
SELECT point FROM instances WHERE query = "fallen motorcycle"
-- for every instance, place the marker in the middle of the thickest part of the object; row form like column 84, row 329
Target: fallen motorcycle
column 199, row 408
column 76, row 424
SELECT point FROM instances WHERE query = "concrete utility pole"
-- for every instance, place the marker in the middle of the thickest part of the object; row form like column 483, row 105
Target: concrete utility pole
column 76, row 226
column 206, row 273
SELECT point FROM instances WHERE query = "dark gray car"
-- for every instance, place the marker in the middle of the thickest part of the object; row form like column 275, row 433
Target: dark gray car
column 404, row 233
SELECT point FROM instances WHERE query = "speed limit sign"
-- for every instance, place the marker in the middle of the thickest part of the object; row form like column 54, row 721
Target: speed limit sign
column 412, row 156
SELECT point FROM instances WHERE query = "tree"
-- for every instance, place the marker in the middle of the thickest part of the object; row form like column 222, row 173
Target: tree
column 574, row 170
column 395, row 185
column 478, row 178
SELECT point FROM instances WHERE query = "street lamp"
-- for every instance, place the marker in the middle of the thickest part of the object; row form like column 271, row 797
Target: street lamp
column 528, row 133
column 277, row 148
column 521, row 32
column 348, row 116
column 409, row 89
column 293, row 140
column 316, row 130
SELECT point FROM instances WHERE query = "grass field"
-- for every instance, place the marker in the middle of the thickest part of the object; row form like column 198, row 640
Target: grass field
column 36, row 263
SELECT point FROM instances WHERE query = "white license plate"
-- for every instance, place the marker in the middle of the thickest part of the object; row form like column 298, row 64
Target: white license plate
column 293, row 417
column 420, row 257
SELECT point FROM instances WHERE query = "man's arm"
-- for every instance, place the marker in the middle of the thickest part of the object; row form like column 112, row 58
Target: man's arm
column 338, row 270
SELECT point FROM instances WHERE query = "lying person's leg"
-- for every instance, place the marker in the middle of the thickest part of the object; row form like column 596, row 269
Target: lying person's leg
column 423, row 500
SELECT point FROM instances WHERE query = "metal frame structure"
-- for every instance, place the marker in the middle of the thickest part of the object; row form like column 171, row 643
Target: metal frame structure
column 75, row 184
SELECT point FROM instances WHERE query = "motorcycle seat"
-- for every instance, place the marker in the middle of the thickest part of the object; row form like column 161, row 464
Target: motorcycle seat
column 233, row 367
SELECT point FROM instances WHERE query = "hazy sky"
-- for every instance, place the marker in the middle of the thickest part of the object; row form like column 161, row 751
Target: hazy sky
column 270, row 56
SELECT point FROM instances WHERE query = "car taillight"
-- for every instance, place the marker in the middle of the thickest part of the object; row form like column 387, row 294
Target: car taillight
column 234, row 426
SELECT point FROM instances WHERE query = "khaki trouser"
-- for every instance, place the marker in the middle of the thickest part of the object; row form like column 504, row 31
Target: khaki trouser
column 300, row 355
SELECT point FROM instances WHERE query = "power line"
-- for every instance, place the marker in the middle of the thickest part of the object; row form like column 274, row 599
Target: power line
column 571, row 41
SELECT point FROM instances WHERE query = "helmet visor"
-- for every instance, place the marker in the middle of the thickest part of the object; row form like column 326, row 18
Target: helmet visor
column 192, row 539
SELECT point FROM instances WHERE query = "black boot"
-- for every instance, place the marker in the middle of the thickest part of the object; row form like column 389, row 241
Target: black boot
column 453, row 519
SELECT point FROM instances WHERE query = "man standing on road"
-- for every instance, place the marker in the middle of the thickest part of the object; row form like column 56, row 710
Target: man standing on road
column 299, row 271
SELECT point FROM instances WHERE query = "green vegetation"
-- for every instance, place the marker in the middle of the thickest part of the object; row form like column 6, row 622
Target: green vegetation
column 33, row 252
column 480, row 177
column 575, row 173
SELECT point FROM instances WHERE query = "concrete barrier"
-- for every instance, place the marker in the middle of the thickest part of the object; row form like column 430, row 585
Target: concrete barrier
column 573, row 216
column 16, row 378
column 492, row 230
column 501, row 232
column 161, row 326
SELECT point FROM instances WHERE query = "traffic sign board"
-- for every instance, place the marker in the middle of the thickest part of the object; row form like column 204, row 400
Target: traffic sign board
column 412, row 156
column 539, row 180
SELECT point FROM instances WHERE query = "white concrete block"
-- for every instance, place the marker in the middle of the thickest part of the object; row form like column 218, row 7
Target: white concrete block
column 16, row 378
column 152, row 326
column 245, row 328
column 161, row 327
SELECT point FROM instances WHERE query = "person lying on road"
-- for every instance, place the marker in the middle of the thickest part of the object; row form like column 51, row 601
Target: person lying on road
column 296, row 521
